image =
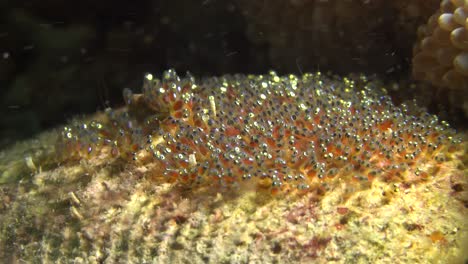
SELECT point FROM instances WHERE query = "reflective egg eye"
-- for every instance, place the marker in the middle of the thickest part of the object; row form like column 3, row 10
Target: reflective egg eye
column 280, row 132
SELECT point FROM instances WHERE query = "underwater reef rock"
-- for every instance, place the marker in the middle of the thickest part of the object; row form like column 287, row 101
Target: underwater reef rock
column 240, row 169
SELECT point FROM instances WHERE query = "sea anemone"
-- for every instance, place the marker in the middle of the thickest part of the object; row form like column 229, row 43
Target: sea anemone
column 441, row 52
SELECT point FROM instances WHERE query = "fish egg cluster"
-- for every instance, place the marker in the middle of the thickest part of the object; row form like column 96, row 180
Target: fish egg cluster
column 279, row 132
column 441, row 53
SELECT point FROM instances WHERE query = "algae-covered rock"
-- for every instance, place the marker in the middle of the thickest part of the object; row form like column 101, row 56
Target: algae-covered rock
column 104, row 191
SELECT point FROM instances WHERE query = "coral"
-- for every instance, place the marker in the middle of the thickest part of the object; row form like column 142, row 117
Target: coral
column 284, row 132
column 441, row 53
